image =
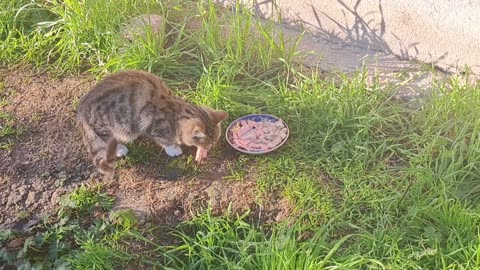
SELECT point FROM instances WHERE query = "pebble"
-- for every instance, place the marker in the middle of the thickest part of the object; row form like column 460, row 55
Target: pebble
column 13, row 199
column 135, row 26
column 38, row 185
column 32, row 198
column 22, row 190
column 55, row 197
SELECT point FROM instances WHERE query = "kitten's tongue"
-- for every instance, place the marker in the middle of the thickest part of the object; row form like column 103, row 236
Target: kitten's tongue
column 201, row 154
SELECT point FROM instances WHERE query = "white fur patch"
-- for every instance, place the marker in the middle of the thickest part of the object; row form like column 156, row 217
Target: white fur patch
column 173, row 150
column 122, row 150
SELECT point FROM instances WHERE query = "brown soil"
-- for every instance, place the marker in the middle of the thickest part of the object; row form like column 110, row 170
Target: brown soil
column 47, row 160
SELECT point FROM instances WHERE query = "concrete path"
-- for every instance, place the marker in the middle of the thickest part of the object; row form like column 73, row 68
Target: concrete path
column 413, row 79
column 407, row 42
column 440, row 32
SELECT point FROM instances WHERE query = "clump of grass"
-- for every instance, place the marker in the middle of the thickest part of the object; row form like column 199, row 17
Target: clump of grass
column 65, row 36
column 84, row 200
column 228, row 242
column 447, row 135
column 72, row 36
column 8, row 131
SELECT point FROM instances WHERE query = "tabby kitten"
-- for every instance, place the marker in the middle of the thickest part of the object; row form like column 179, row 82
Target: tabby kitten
column 123, row 106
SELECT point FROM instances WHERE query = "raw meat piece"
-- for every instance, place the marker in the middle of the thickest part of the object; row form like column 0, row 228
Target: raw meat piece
column 271, row 145
column 243, row 130
column 283, row 133
column 271, row 136
column 252, row 124
column 255, row 145
column 263, row 135
column 277, row 141
column 249, row 135
column 201, row 154
column 268, row 129
column 244, row 144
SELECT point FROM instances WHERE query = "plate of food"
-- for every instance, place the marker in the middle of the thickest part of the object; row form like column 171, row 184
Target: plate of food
column 257, row 133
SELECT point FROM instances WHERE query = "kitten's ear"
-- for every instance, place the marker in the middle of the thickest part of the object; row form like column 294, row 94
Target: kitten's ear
column 198, row 133
column 218, row 116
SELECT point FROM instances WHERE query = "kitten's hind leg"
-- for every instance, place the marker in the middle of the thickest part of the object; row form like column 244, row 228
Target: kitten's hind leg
column 111, row 154
column 105, row 158
column 102, row 149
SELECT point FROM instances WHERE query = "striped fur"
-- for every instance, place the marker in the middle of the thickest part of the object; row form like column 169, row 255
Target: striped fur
column 128, row 104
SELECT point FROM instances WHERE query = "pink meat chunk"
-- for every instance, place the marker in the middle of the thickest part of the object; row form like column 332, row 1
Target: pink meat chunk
column 264, row 135
column 201, row 155
column 243, row 130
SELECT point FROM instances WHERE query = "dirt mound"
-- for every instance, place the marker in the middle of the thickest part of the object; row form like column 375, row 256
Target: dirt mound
column 47, row 160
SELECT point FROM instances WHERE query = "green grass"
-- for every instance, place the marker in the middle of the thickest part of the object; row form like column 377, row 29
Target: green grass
column 7, row 121
column 374, row 184
column 81, row 236
column 83, row 201
column 8, row 131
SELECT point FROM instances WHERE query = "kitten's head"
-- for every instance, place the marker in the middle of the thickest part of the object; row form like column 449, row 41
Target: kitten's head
column 204, row 130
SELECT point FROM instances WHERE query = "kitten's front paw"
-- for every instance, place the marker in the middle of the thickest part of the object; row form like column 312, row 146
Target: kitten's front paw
column 121, row 151
column 173, row 150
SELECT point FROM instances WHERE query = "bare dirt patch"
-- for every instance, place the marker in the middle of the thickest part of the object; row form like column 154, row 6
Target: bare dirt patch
column 47, row 160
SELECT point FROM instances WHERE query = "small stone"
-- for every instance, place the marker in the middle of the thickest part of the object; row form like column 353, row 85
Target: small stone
column 55, row 197
column 214, row 193
column 38, row 185
column 15, row 243
column 22, row 190
column 32, row 197
column 192, row 196
column 14, row 199
column 136, row 26
column 14, row 187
